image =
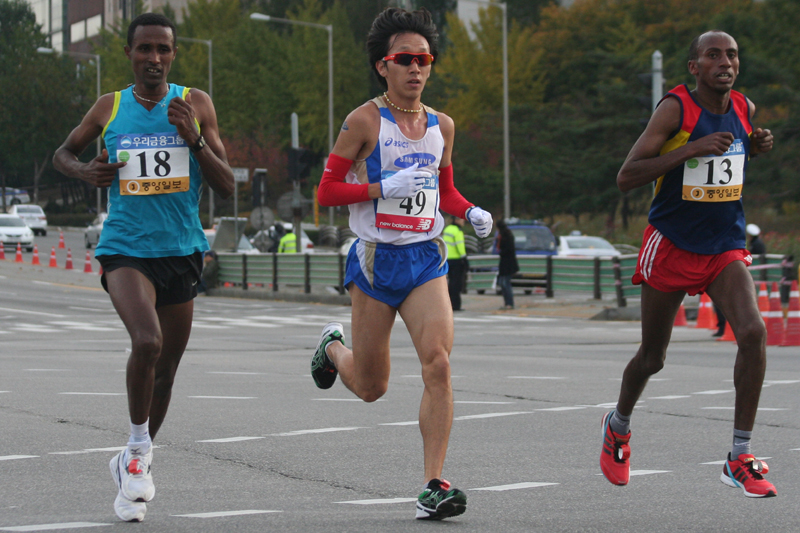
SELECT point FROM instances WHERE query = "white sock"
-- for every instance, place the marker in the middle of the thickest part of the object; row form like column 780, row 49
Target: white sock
column 140, row 441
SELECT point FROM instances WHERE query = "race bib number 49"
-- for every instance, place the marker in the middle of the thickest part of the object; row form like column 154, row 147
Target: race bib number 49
column 416, row 213
column 715, row 178
column 157, row 163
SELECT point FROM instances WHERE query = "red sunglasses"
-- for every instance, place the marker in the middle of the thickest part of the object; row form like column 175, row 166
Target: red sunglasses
column 406, row 58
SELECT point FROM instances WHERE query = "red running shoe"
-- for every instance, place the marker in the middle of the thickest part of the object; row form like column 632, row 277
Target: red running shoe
column 616, row 452
column 747, row 473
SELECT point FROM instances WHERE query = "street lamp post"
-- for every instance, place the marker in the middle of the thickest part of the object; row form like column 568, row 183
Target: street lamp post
column 208, row 43
column 329, row 29
column 506, row 135
column 96, row 57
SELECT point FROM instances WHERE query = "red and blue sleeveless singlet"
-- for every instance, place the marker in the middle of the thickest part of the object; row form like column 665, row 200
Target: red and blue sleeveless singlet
column 698, row 205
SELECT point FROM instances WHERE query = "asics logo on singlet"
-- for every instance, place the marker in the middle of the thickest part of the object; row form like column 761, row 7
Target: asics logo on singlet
column 424, row 160
column 398, row 144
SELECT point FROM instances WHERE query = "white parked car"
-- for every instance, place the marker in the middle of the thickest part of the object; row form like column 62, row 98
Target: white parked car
column 33, row 215
column 585, row 246
column 91, row 235
column 14, row 231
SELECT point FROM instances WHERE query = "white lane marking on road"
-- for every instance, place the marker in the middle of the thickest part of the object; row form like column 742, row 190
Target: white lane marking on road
column 34, row 328
column 30, row 312
column 4, row 391
column 310, row 431
column 48, row 370
column 675, row 397
column 97, row 309
column 760, row 408
column 380, row 501
column 565, row 408
column 481, row 403
column 516, row 486
column 231, row 439
column 195, row 324
column 50, row 527
column 13, row 457
column 412, row 376
column 94, row 393
column 240, row 373
column 648, row 472
column 710, row 392
column 492, row 415
column 535, row 377
column 343, row 400
column 769, row 382
column 219, row 514
column 408, row 423
column 718, row 463
column 224, row 397
column 81, row 326
column 93, row 450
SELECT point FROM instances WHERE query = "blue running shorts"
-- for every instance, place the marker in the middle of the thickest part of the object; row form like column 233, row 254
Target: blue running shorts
column 389, row 272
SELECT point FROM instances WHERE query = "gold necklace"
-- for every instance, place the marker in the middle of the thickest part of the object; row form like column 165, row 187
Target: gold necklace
column 386, row 95
column 160, row 102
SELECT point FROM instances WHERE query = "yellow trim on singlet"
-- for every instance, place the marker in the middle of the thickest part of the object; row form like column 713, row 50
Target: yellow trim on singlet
column 680, row 139
column 117, row 96
column 185, row 92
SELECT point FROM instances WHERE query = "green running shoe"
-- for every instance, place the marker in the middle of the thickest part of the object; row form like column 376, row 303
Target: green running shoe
column 439, row 500
column 322, row 369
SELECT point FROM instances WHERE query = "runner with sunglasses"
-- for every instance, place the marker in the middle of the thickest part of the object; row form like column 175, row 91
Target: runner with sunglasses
column 391, row 164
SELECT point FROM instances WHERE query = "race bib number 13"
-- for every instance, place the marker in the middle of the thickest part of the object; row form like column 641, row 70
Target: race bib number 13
column 157, row 163
column 715, row 178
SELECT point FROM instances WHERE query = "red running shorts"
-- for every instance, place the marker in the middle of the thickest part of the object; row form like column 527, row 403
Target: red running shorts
column 667, row 268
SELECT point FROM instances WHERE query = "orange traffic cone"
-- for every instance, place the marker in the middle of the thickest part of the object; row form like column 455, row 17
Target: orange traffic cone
column 791, row 337
column 705, row 315
column 61, row 240
column 53, row 263
column 36, row 255
column 775, row 319
column 680, row 318
column 68, row 266
column 87, row 266
column 18, row 259
column 2, row 250
column 727, row 335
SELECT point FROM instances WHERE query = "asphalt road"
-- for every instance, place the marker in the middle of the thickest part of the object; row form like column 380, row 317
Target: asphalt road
column 251, row 445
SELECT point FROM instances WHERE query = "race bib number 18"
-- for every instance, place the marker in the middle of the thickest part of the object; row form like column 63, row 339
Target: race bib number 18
column 416, row 213
column 157, row 163
column 715, row 178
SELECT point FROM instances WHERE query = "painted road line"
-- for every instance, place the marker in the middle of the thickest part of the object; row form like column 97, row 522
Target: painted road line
column 760, row 408
column 13, row 457
column 311, row 431
column 648, row 472
column 231, row 439
column 30, row 312
column 4, row 391
column 675, row 397
column 51, row 527
column 224, row 397
column 48, row 370
column 534, row 377
column 492, row 415
column 565, row 408
column 94, row 393
column 408, row 423
column 516, row 486
column 225, row 513
column 240, row 373
column 93, row 450
column 710, row 392
column 380, row 501
column 343, row 400
column 481, row 403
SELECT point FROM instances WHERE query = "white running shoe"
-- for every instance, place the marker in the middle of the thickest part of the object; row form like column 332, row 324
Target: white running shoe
column 131, row 470
column 126, row 509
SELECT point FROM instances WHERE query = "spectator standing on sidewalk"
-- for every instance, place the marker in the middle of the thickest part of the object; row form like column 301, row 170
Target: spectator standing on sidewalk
column 508, row 262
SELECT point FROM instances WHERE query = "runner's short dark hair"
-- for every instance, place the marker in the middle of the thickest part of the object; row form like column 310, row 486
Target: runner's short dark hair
column 151, row 19
column 393, row 21
column 694, row 47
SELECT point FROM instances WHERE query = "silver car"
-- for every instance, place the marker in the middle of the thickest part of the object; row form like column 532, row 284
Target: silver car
column 14, row 231
column 33, row 215
column 91, row 235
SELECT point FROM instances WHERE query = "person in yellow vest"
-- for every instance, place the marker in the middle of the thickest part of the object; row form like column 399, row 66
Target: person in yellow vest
column 453, row 237
column 288, row 244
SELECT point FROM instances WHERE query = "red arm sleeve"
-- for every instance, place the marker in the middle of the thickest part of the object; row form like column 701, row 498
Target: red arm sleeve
column 452, row 201
column 333, row 190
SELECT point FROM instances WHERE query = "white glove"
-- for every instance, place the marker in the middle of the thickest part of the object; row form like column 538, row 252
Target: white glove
column 405, row 183
column 481, row 220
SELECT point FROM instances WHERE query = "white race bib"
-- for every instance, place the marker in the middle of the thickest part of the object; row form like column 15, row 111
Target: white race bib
column 715, row 178
column 416, row 213
column 157, row 163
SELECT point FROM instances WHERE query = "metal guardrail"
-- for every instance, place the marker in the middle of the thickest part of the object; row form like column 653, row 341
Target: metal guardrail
column 552, row 273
